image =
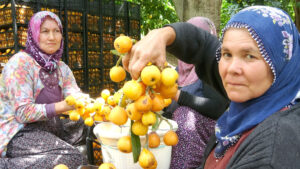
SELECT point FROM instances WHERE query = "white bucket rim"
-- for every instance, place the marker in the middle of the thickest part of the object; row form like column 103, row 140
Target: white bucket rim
column 99, row 132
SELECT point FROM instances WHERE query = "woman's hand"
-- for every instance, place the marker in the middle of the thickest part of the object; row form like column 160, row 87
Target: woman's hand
column 152, row 48
column 62, row 106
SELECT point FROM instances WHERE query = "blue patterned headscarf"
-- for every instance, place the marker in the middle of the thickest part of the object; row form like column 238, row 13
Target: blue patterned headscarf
column 278, row 40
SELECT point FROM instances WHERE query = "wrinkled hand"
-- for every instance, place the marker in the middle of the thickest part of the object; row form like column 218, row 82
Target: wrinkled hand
column 152, row 48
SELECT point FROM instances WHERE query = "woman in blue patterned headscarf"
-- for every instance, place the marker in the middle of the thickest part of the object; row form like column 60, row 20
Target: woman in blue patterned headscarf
column 257, row 69
column 276, row 36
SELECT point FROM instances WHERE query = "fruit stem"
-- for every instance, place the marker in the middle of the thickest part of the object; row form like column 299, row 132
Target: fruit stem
column 119, row 60
column 120, row 100
column 152, row 90
column 115, row 52
column 163, row 118
column 148, row 89
column 147, row 142
column 133, row 40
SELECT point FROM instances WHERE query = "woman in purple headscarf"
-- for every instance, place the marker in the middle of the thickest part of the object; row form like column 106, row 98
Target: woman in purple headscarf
column 195, row 109
column 35, row 83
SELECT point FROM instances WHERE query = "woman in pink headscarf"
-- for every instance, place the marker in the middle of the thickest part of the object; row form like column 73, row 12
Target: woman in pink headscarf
column 36, row 81
column 195, row 109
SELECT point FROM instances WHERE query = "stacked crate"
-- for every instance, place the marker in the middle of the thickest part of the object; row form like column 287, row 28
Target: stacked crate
column 90, row 27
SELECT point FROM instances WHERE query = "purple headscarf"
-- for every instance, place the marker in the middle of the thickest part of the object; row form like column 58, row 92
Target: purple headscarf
column 187, row 74
column 46, row 61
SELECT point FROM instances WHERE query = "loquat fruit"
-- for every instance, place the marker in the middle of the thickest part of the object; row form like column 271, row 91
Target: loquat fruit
column 153, row 139
column 123, row 44
column 118, row 115
column 150, row 75
column 107, row 166
column 170, row 138
column 124, row 144
column 117, row 74
column 169, row 76
column 138, row 128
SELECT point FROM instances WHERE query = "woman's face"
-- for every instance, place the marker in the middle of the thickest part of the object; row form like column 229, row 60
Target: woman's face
column 244, row 72
column 50, row 36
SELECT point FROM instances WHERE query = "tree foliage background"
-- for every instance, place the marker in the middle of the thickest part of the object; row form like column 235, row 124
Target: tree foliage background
column 156, row 13
column 230, row 7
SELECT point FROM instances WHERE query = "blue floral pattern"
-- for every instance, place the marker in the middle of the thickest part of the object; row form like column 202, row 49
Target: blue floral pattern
column 280, row 18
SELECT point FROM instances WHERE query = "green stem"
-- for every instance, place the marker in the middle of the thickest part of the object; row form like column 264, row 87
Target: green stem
column 147, row 139
column 133, row 40
column 115, row 52
column 160, row 116
column 119, row 60
column 120, row 100
column 139, row 79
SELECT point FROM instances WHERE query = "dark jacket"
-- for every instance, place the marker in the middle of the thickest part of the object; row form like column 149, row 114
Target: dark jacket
column 202, row 98
column 273, row 144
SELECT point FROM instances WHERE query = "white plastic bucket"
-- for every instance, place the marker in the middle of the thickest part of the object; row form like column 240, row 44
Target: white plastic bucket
column 108, row 135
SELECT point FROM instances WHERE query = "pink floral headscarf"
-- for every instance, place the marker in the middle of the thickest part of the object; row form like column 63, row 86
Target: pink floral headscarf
column 46, row 61
column 187, row 74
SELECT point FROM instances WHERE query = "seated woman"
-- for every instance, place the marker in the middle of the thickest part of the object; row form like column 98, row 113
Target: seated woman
column 195, row 109
column 34, row 85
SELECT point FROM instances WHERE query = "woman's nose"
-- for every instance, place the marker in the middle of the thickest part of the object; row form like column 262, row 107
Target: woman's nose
column 235, row 66
column 51, row 35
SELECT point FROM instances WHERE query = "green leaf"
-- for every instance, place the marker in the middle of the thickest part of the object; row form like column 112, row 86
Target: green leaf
column 136, row 145
column 115, row 52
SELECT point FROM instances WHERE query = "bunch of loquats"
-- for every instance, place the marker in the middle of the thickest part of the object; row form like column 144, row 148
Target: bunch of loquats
column 140, row 101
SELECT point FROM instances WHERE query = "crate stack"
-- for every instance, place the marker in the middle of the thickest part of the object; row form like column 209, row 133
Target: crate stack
column 90, row 27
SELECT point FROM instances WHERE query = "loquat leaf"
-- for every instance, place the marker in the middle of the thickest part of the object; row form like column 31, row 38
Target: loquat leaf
column 136, row 145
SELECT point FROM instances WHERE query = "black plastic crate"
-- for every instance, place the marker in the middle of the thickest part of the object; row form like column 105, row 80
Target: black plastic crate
column 107, row 8
column 90, row 27
column 76, row 5
column 76, row 59
column 134, row 11
column 108, row 41
column 6, row 14
column 134, row 28
column 93, row 23
column 108, row 24
column 121, row 8
column 94, row 153
column 121, row 26
column 109, row 60
column 94, row 58
column 93, row 7
column 54, row 4
column 6, row 38
column 79, row 76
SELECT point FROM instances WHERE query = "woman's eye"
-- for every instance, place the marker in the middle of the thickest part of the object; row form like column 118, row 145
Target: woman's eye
column 250, row 57
column 226, row 55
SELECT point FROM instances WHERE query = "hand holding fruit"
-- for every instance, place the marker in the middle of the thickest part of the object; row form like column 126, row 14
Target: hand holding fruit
column 152, row 48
